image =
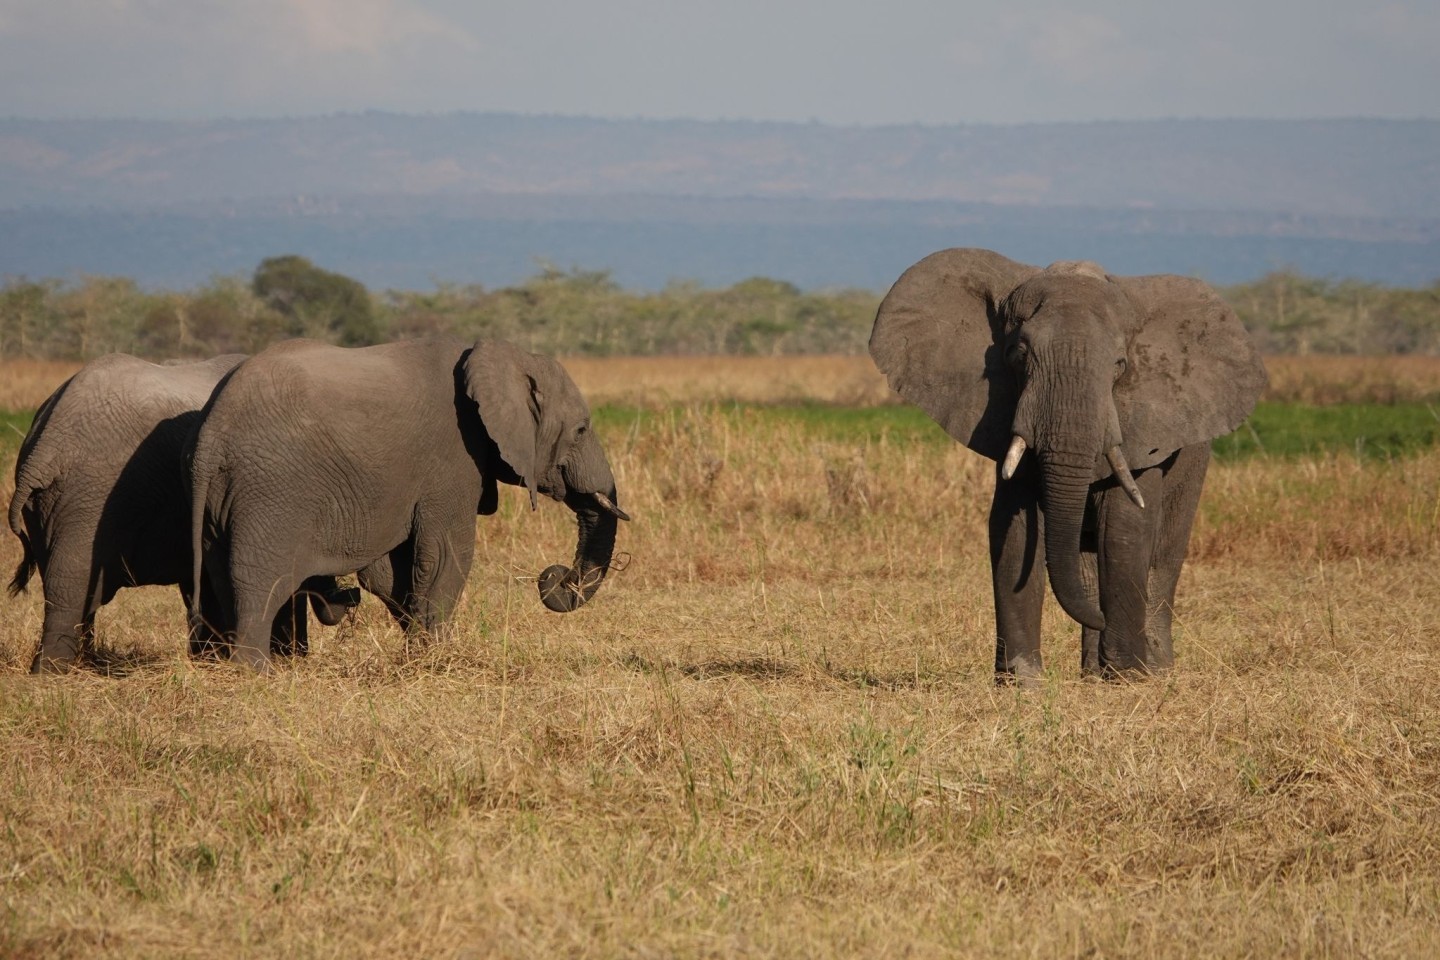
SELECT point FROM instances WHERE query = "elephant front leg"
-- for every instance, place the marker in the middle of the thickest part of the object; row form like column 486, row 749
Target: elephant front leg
column 388, row 579
column 1017, row 567
column 1126, row 540
column 290, row 630
column 1184, row 481
column 1089, row 636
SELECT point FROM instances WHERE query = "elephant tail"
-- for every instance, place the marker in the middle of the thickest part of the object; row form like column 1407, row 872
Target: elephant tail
column 24, row 570
column 199, row 491
column 27, row 566
column 37, row 465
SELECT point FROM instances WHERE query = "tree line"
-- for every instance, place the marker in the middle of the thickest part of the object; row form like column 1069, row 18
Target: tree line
column 585, row 312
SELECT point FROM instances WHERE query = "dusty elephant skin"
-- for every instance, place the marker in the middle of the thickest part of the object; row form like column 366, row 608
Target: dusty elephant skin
column 1098, row 396
column 101, row 501
column 315, row 460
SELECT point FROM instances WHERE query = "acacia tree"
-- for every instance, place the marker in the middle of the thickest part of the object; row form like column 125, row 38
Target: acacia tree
column 27, row 317
column 317, row 302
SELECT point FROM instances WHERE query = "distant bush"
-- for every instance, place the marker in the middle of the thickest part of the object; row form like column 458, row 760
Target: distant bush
column 585, row 312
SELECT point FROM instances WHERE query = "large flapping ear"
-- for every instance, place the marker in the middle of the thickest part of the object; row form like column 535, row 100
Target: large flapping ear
column 1194, row 373
column 500, row 379
column 938, row 340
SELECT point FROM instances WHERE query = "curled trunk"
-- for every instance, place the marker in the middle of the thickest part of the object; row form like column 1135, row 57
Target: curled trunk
column 563, row 588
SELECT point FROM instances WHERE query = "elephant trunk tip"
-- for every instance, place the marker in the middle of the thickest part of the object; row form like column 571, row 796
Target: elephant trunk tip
column 562, row 589
column 1086, row 613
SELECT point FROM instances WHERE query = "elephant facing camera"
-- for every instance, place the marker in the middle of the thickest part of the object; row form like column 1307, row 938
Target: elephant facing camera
column 1098, row 397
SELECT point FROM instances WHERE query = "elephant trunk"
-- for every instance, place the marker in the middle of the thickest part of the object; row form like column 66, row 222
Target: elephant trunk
column 563, row 588
column 1064, row 492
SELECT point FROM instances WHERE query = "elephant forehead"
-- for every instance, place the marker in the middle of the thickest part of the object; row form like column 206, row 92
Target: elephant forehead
column 1071, row 303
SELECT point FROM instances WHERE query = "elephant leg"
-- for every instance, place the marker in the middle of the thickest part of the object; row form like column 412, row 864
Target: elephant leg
column 69, row 628
column 290, row 630
column 442, row 562
column 1017, row 566
column 207, row 635
column 1183, row 484
column 1089, row 636
column 259, row 598
column 1126, row 540
column 388, row 579
column 212, row 634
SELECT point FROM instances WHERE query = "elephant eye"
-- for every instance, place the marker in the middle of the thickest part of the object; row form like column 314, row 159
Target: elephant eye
column 1121, row 366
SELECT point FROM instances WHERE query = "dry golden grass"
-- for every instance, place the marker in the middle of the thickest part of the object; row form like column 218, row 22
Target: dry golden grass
column 774, row 733
column 659, row 381
column 1324, row 380
column 24, row 384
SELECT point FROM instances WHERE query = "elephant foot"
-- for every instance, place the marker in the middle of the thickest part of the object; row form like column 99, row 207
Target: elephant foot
column 1132, row 673
column 257, row 659
column 49, row 663
column 1026, row 671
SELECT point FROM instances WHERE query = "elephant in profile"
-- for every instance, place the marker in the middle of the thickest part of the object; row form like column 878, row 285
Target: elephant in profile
column 315, row 460
column 102, row 502
column 1098, row 397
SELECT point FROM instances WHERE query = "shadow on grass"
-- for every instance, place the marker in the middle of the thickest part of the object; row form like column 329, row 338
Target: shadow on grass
column 764, row 669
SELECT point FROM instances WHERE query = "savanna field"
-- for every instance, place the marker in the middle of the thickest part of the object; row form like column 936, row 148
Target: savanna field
column 775, row 731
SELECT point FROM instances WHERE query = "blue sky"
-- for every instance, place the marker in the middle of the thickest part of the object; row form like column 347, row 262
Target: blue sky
column 839, row 61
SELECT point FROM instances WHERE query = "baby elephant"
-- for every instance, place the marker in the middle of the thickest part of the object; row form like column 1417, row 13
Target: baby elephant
column 102, row 502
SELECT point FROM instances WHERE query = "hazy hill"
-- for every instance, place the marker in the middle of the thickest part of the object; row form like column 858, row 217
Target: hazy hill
column 404, row 200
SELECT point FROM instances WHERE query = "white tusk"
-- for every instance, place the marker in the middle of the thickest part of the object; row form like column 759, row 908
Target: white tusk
column 1012, row 457
column 610, row 507
column 1122, row 473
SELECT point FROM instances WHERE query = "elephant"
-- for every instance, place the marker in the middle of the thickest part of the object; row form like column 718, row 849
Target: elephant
column 102, row 502
column 317, row 460
column 1114, row 387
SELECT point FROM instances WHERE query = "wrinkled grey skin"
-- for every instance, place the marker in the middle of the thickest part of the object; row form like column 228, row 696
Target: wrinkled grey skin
column 316, row 460
column 101, row 500
column 1100, row 377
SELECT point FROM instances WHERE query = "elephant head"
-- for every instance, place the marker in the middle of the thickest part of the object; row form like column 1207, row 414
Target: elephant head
column 1098, row 375
column 540, row 425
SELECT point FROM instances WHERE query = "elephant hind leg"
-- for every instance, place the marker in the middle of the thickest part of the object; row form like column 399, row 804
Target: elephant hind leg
column 68, row 633
column 258, row 607
column 206, row 635
column 66, row 648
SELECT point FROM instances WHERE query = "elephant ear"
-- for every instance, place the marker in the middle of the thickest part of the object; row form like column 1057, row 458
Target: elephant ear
column 939, row 341
column 1194, row 372
column 502, row 380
